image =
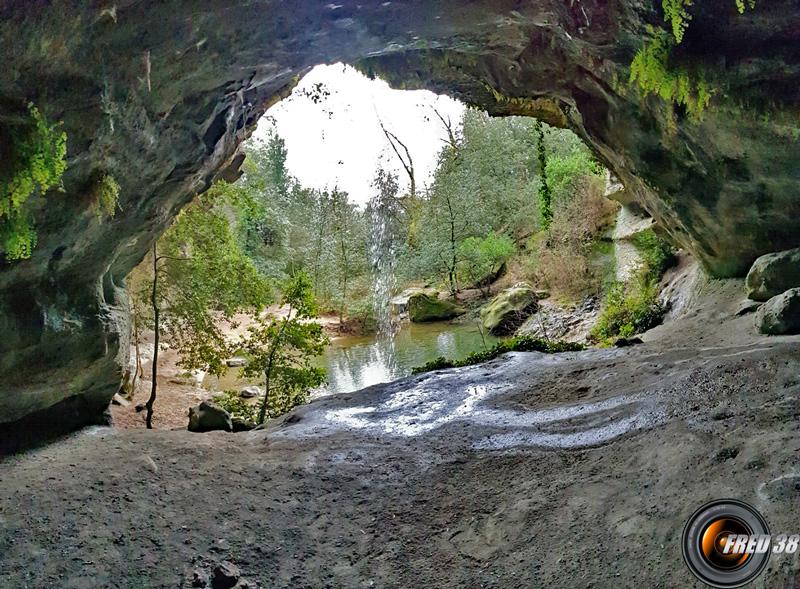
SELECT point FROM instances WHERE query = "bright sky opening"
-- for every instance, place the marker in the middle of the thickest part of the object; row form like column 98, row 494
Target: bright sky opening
column 339, row 141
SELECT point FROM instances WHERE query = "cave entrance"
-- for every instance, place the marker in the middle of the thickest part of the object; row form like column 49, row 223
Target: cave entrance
column 410, row 215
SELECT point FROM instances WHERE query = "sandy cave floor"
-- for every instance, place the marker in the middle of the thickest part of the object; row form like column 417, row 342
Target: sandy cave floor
column 572, row 470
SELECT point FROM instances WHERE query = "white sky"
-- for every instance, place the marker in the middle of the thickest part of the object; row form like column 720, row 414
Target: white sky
column 339, row 141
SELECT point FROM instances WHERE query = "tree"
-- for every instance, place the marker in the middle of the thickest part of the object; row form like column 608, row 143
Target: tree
column 282, row 348
column 349, row 246
column 198, row 278
column 545, row 195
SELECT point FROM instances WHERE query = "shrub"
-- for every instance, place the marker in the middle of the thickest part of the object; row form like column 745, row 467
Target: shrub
column 561, row 259
column 520, row 343
column 628, row 311
column 231, row 402
column 657, row 253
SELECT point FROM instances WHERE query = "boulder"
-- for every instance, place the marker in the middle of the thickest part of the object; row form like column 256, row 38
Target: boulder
column 423, row 308
column 250, row 392
column 772, row 274
column 780, row 315
column 509, row 309
column 208, row 417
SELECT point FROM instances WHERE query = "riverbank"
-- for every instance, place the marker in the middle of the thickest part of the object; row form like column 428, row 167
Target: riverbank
column 447, row 480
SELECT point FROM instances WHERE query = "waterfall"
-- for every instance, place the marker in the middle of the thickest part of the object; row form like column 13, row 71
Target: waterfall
column 385, row 239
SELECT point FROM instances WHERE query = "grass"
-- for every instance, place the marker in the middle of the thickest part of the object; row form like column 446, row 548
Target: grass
column 520, row 343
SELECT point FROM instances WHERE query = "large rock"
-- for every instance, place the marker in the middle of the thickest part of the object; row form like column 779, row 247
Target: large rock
column 772, row 274
column 209, row 417
column 780, row 315
column 423, row 308
column 161, row 94
column 509, row 310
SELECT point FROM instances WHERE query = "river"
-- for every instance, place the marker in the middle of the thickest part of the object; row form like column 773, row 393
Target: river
column 355, row 362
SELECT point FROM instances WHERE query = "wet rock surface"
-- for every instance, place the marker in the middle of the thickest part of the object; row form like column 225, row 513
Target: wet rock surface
column 484, row 476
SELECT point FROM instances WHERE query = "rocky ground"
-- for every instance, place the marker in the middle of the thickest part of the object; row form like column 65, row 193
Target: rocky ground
column 571, row 470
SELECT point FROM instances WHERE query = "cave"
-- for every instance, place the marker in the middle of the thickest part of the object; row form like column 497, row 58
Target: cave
column 162, row 95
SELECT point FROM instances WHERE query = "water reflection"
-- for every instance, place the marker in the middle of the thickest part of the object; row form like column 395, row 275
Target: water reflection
column 353, row 363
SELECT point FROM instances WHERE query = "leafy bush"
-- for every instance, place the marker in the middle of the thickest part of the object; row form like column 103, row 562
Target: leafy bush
column 231, row 402
column 520, row 343
column 39, row 161
column 628, row 311
column 657, row 253
column 635, row 308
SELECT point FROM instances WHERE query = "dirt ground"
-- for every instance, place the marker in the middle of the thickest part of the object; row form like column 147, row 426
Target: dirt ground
column 570, row 470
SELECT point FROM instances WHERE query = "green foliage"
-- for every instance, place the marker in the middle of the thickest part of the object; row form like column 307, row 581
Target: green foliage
column 481, row 257
column 653, row 74
column 676, row 13
column 233, row 403
column 628, row 310
column 204, row 278
column 657, row 253
column 38, row 162
column 520, row 343
column 106, row 196
column 282, row 348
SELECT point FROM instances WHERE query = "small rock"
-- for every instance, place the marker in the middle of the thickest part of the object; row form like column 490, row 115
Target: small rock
column 118, row 399
column 225, row 576
column 726, row 454
column 199, row 578
column 208, row 417
column 235, row 362
column 250, row 392
column 780, row 315
column 140, row 407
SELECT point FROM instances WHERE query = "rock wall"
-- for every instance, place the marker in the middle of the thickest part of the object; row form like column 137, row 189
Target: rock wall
column 161, row 94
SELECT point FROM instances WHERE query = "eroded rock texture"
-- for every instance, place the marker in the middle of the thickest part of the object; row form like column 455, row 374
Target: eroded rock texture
column 160, row 94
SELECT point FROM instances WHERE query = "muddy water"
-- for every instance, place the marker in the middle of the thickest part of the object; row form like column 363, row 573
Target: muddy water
column 355, row 362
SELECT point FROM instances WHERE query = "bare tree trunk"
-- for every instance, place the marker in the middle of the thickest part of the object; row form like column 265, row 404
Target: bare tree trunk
column 156, row 336
column 454, row 259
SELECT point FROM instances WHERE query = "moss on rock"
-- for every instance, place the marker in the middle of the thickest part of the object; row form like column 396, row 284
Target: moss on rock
column 423, row 308
column 508, row 310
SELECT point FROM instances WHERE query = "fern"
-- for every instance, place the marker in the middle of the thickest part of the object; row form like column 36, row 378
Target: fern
column 676, row 13
column 39, row 162
column 650, row 70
